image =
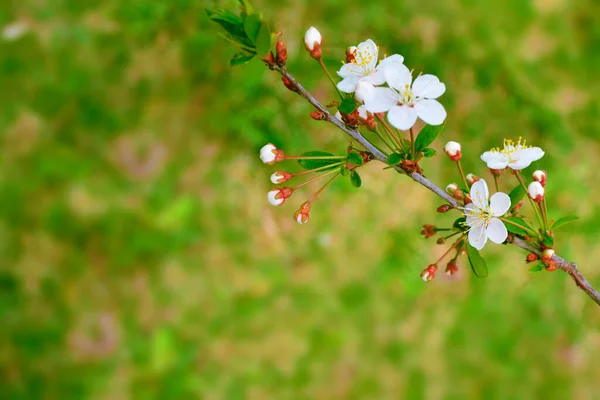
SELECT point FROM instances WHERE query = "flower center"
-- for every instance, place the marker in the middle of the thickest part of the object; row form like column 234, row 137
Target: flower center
column 405, row 96
column 482, row 216
column 511, row 149
column 364, row 57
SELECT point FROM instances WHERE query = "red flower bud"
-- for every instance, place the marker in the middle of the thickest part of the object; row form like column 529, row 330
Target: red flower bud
column 471, row 178
column 454, row 191
column 444, row 208
column 547, row 258
column 428, row 231
column 269, row 59
column 318, row 115
column 451, row 268
column 350, row 52
column 281, row 52
column 428, row 273
column 288, row 84
column 531, row 257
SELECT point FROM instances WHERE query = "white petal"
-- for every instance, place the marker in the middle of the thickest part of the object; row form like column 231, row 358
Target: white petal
column 495, row 159
column 480, row 194
column 431, row 111
column 348, row 85
column 363, row 91
column 381, row 100
column 266, row 153
column 473, row 214
column 366, row 54
column 402, row 117
column 499, row 204
column 398, row 76
column 496, row 231
column 271, row 197
column 376, row 78
column 478, row 237
column 393, row 59
column 428, row 86
column 525, row 157
column 362, row 112
column 351, row 69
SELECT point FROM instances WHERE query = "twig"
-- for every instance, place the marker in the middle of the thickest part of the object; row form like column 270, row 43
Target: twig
column 567, row 266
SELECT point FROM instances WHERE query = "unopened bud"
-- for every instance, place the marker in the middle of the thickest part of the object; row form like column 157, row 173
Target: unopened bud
column 350, row 52
column 535, row 190
column 278, row 196
column 468, row 199
column 313, row 41
column 454, row 191
column 472, row 178
column 281, row 52
column 451, row 268
column 540, row 176
column 269, row 59
column 428, row 273
column 547, row 255
column 288, row 84
column 444, row 208
column 453, row 150
column 301, row 216
column 280, row 177
column 428, row 231
column 531, row 257
column 441, row 240
column 269, row 154
column 318, row 115
column 496, row 172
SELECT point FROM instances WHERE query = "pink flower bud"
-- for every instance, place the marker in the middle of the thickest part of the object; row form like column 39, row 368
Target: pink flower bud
column 350, row 52
column 280, row 177
column 535, row 190
column 313, row 41
column 454, row 191
column 428, row 273
column 451, row 268
column 269, row 154
column 278, row 196
column 471, row 178
column 453, row 150
column 540, row 176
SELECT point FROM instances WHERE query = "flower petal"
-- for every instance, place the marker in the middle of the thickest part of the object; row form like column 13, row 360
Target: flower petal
column 380, row 100
column 362, row 112
column 402, row 117
column 496, row 231
column 393, row 59
column 499, row 204
column 480, row 194
column 350, row 69
column 348, row 85
column 478, row 237
column 428, row 86
column 398, row 76
column 525, row 157
column 367, row 54
column 472, row 214
column 431, row 111
column 495, row 159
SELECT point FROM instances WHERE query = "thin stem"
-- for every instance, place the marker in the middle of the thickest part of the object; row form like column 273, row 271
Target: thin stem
column 496, row 183
column 544, row 217
column 330, row 77
column 391, row 133
column 462, row 174
column 318, row 169
column 314, row 157
column 452, row 234
column 316, row 179
column 318, row 192
column 537, row 212
column 451, row 247
column 412, row 141
column 506, row 221
column 378, row 133
column 546, row 213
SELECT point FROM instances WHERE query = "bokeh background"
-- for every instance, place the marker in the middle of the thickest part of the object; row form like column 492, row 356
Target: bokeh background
column 140, row 259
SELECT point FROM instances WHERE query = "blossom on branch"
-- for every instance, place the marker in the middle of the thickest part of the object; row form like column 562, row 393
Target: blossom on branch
column 516, row 156
column 405, row 100
column 482, row 215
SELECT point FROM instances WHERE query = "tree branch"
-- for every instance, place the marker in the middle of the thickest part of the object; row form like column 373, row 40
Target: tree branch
column 567, row 266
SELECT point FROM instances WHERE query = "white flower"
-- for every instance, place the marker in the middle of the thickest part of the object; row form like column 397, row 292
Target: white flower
column 268, row 153
column 364, row 67
column 362, row 112
column 279, row 177
column 406, row 100
column 514, row 155
column 14, row 31
column 482, row 216
column 275, row 198
column 301, row 217
column 536, row 191
column 312, row 38
column 453, row 150
column 363, row 90
column 540, row 176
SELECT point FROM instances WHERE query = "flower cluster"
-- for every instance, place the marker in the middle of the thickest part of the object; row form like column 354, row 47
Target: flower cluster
column 404, row 100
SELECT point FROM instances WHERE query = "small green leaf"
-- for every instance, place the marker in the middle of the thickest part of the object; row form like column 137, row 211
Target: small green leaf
column 524, row 230
column 318, row 163
column 348, row 105
column 548, row 241
column 394, row 159
column 263, row 40
column 461, row 224
column 241, row 58
column 344, row 171
column 427, row 136
column 355, row 178
column 224, row 17
column 355, row 158
column 564, row 221
column 478, row 264
column 516, row 195
column 245, row 6
column 429, row 152
column 252, row 25
column 537, row 268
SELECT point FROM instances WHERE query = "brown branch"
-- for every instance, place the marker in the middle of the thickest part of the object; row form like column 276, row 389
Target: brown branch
column 567, row 266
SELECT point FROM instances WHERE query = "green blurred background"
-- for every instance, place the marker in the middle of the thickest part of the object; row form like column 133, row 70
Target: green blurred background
column 140, row 259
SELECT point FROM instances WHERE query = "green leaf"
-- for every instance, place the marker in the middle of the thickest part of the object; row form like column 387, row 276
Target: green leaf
column 478, row 264
column 355, row 178
column 355, row 158
column 429, row 152
column 252, row 25
column 344, row 170
column 394, row 159
column 225, row 18
column 564, row 221
column 427, row 136
column 263, row 40
column 524, row 230
column 516, row 195
column 348, row 105
column 241, row 58
column 245, row 6
column 537, row 268
column 548, row 241
column 460, row 224
column 316, row 163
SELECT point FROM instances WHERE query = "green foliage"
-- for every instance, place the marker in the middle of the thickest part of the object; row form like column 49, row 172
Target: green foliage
column 394, row 158
column 426, row 136
column 348, row 105
column 563, row 221
column 429, row 152
column 355, row 158
column 548, row 240
column 318, row 163
column 524, row 228
column 516, row 195
column 461, row 223
column 478, row 264
column 355, row 178
column 537, row 268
